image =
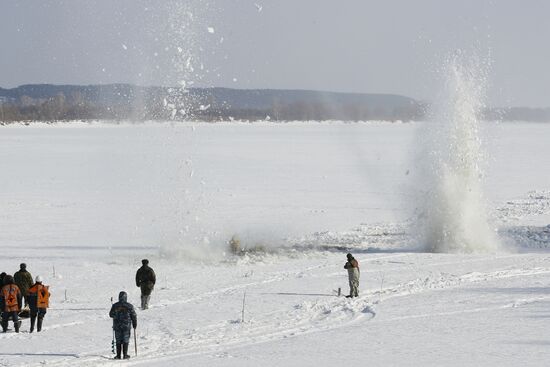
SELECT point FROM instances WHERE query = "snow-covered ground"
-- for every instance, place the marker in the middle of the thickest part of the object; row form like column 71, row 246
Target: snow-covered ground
column 83, row 204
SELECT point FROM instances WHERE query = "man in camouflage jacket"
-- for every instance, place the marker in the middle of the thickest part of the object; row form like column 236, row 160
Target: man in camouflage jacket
column 124, row 318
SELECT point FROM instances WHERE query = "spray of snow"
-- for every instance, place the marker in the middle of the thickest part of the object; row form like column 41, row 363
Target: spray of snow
column 186, row 203
column 453, row 214
column 187, row 31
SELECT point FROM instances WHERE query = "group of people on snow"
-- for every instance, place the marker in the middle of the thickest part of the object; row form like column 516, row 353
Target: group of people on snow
column 19, row 291
column 20, row 294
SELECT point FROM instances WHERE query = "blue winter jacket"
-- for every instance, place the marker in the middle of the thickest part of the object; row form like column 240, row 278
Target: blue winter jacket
column 123, row 314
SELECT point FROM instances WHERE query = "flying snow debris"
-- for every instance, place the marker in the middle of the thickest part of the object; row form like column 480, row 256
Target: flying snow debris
column 210, row 29
column 203, row 107
column 124, row 46
column 259, row 7
column 234, row 79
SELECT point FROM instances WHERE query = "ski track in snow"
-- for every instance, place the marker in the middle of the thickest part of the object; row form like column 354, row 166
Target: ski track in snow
column 306, row 317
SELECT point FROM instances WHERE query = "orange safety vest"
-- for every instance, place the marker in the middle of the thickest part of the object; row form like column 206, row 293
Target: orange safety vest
column 10, row 293
column 42, row 294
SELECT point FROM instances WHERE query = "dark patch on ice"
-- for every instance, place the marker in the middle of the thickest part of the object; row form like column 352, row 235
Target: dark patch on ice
column 529, row 237
column 301, row 294
column 531, row 342
column 515, row 290
column 366, row 238
column 534, row 203
column 369, row 310
column 42, row 354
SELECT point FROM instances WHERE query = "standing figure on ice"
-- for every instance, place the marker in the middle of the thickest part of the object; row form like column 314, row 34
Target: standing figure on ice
column 124, row 318
column 10, row 302
column 145, row 279
column 39, row 301
column 353, row 274
column 23, row 279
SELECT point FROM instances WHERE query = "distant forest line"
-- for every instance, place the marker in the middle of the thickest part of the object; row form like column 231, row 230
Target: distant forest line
column 124, row 102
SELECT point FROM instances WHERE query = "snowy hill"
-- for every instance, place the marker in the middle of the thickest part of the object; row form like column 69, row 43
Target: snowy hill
column 130, row 102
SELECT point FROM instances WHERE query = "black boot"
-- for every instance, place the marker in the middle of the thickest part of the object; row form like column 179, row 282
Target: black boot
column 144, row 302
column 125, row 349
column 39, row 324
column 16, row 325
column 118, row 350
column 4, row 326
column 33, row 320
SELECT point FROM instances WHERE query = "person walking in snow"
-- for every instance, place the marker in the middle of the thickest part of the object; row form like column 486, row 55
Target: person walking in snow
column 10, row 303
column 124, row 318
column 39, row 301
column 2, row 275
column 352, row 266
column 23, row 279
column 145, row 279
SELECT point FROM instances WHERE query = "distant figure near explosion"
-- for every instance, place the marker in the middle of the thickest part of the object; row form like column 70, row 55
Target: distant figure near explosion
column 145, row 279
column 353, row 274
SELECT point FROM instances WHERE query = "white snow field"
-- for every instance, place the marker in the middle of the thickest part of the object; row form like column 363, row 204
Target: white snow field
column 83, row 204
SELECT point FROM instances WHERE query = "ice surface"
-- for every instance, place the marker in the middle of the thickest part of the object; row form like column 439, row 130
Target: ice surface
column 88, row 202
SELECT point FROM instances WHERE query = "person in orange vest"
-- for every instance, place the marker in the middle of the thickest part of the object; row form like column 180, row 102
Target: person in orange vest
column 11, row 302
column 39, row 301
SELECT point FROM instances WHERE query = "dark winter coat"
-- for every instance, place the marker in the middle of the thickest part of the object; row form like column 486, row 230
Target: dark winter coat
column 124, row 317
column 123, row 314
column 146, row 278
column 2, row 275
column 23, row 279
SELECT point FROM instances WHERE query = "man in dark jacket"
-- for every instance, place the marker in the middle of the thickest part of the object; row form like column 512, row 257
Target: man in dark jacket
column 39, row 301
column 23, row 279
column 10, row 302
column 145, row 279
column 352, row 266
column 124, row 318
column 2, row 275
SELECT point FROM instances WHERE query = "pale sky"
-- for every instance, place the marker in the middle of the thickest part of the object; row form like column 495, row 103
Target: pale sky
column 390, row 46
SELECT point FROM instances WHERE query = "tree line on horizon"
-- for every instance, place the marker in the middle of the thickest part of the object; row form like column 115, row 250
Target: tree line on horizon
column 131, row 103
